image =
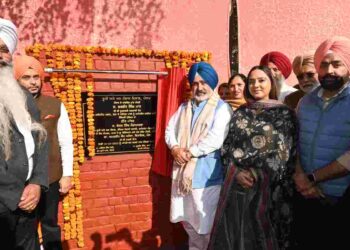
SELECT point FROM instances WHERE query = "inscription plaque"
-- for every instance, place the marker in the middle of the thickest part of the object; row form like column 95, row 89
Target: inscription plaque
column 124, row 122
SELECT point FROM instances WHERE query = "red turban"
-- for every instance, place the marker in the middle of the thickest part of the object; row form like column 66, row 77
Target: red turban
column 338, row 45
column 23, row 63
column 280, row 60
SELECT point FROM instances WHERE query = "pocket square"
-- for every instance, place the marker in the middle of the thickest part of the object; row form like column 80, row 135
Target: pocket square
column 49, row 117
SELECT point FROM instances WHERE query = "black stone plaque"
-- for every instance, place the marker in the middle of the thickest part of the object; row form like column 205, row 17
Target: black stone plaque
column 124, row 122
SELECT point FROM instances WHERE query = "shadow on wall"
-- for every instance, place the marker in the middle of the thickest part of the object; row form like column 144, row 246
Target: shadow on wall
column 96, row 22
column 172, row 236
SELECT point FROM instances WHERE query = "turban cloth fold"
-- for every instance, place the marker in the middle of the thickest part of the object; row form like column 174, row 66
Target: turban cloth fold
column 299, row 61
column 23, row 63
column 280, row 60
column 206, row 71
column 338, row 45
column 8, row 34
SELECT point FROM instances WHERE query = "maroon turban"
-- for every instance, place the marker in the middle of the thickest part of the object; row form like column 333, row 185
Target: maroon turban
column 280, row 60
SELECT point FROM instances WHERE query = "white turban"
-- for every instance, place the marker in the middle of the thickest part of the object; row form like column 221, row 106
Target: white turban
column 8, row 34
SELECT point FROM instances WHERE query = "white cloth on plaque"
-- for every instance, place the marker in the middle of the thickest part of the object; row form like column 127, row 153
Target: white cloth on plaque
column 197, row 208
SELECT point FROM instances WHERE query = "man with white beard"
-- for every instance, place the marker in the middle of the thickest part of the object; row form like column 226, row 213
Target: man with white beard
column 280, row 67
column 304, row 69
column 23, row 153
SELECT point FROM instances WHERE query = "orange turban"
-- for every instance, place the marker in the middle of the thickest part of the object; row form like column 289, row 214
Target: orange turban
column 338, row 45
column 22, row 63
column 280, row 60
column 303, row 60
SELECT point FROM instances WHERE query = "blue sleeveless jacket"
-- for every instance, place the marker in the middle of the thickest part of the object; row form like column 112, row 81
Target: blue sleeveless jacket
column 324, row 135
column 209, row 170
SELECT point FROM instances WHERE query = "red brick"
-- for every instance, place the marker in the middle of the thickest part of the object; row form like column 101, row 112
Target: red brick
column 121, row 209
column 102, row 65
column 153, row 77
column 160, row 66
column 117, row 85
column 147, row 65
column 100, row 184
column 117, row 219
column 140, row 190
column 106, row 76
column 99, row 166
column 114, row 174
column 102, row 230
column 143, row 216
column 97, row 212
column 109, row 57
column 138, row 208
column 130, row 199
column 115, row 201
column 144, row 198
column 102, row 86
column 132, row 65
column 131, row 86
column 102, row 202
column 99, row 193
column 134, row 77
column 85, row 168
column 88, row 202
column 113, row 183
column 141, row 225
column 147, row 87
column 142, row 163
column 113, row 165
column 122, row 226
column 130, row 181
column 118, row 65
column 142, row 180
column 138, row 172
column 85, row 185
column 121, row 192
column 127, row 164
column 99, row 221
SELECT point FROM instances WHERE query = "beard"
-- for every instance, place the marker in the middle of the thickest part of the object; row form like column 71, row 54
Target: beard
column 309, row 86
column 279, row 80
column 13, row 107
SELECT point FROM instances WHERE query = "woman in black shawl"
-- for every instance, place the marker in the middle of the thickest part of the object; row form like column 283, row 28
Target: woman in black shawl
column 254, row 211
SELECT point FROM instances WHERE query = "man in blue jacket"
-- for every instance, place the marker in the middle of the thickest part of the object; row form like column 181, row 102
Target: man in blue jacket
column 194, row 135
column 322, row 174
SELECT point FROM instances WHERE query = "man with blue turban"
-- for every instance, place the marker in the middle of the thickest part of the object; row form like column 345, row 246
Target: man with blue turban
column 194, row 135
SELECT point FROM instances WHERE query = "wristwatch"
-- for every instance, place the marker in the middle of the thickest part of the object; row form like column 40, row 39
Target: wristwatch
column 311, row 177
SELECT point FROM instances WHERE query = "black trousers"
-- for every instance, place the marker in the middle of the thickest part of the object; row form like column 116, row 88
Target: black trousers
column 18, row 230
column 48, row 209
column 321, row 223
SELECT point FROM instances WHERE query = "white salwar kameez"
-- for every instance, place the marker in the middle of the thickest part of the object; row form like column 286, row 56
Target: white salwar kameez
column 196, row 210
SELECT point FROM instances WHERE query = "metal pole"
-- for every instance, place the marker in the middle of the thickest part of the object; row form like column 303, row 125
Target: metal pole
column 52, row 70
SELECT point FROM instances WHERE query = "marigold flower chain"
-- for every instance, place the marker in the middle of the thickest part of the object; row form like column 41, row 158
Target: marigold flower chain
column 68, row 87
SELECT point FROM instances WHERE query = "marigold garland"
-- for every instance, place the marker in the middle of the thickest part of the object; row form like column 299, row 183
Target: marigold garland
column 68, row 87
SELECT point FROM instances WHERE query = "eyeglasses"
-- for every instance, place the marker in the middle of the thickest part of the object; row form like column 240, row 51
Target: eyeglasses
column 307, row 74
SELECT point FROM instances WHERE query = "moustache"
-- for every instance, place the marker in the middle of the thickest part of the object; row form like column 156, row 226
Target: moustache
column 4, row 63
column 198, row 92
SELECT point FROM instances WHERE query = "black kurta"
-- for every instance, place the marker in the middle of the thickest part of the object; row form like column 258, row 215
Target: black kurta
column 262, row 136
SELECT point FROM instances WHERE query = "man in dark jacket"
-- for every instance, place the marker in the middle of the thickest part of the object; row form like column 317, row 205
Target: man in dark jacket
column 23, row 153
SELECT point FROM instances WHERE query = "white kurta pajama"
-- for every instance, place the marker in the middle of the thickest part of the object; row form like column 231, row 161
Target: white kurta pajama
column 197, row 209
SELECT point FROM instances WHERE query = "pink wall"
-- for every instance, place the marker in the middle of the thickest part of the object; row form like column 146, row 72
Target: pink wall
column 287, row 26
column 188, row 25
column 264, row 25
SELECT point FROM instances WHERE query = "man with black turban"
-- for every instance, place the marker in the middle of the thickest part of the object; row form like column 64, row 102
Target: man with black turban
column 194, row 135
column 281, row 68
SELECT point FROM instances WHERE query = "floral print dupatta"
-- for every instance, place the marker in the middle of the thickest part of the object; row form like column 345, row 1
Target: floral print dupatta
column 262, row 140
